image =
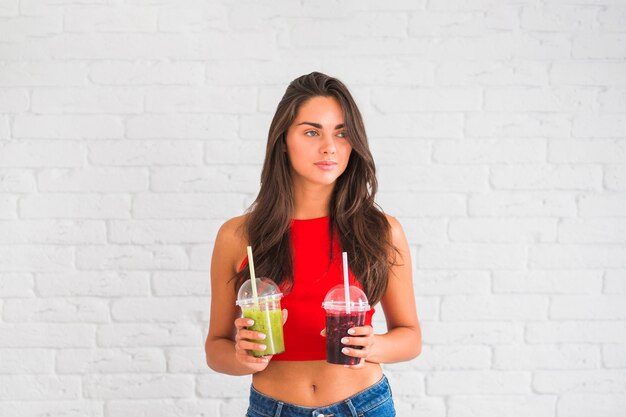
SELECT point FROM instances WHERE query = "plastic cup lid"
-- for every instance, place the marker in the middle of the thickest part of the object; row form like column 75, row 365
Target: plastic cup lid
column 335, row 299
column 266, row 289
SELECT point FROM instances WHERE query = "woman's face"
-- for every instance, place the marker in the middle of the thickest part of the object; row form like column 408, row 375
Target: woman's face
column 316, row 142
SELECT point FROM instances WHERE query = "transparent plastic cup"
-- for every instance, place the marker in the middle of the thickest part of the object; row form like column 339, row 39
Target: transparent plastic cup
column 265, row 312
column 339, row 321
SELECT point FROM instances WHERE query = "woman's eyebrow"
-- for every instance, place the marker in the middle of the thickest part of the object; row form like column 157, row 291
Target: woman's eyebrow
column 319, row 126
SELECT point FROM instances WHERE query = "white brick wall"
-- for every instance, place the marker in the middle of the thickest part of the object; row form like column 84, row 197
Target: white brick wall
column 130, row 130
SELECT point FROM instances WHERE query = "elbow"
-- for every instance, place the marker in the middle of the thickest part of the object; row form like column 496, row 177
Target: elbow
column 417, row 350
column 417, row 345
column 212, row 363
column 208, row 356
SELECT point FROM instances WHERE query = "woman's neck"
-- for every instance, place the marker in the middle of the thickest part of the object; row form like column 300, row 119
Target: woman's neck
column 312, row 202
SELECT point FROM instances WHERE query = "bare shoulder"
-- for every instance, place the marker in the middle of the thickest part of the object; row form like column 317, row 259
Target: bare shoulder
column 233, row 229
column 231, row 241
column 397, row 233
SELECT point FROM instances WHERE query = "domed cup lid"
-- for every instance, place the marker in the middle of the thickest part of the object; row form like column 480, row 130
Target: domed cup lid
column 267, row 290
column 336, row 300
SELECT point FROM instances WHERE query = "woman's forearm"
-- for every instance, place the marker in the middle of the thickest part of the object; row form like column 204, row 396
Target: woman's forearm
column 220, row 356
column 397, row 345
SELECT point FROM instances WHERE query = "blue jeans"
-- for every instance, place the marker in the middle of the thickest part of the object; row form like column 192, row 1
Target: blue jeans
column 374, row 401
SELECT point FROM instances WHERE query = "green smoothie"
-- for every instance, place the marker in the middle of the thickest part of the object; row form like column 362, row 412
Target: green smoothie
column 269, row 322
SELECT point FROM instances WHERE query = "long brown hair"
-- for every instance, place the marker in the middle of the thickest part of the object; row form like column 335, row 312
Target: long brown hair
column 363, row 229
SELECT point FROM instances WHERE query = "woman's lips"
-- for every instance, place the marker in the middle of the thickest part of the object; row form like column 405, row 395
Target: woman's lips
column 326, row 165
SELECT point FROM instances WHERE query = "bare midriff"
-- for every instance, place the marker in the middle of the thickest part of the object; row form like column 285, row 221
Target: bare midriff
column 314, row 383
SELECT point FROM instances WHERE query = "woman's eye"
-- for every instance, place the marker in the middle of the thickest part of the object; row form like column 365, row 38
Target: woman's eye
column 311, row 133
column 341, row 134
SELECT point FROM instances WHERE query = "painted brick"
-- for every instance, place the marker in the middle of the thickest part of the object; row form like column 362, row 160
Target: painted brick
column 478, row 382
column 104, row 180
column 474, row 332
column 163, row 231
column 579, row 331
column 587, row 404
column 26, row 258
column 218, row 178
column 181, row 283
column 523, row 204
column 145, row 153
column 472, row 256
column 65, row 310
column 552, row 256
column 494, row 307
column 186, row 206
column 213, row 385
column 31, row 154
column 78, row 127
column 88, row 100
column 516, row 125
column 591, row 381
column 75, row 206
column 126, row 257
column 615, row 177
column 53, row 232
column 615, row 282
column 566, row 357
column 120, row 18
column 587, row 151
column 593, row 230
column 39, row 387
column 47, row 335
column 149, row 335
column 110, row 361
column 43, row 73
column 171, row 309
column 489, row 230
column 546, row 177
column 16, row 284
column 548, row 282
column 27, row 361
column 494, row 405
column 146, row 73
column 182, row 126
column 17, row 181
column 503, row 151
column 588, row 307
column 92, row 284
column 430, row 282
column 139, row 386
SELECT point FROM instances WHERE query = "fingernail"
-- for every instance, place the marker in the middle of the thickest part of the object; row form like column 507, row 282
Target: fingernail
column 345, row 350
column 262, row 347
column 350, row 331
column 344, row 340
column 250, row 322
column 261, row 336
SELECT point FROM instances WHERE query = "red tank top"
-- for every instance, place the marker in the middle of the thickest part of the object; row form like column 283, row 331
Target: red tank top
column 314, row 275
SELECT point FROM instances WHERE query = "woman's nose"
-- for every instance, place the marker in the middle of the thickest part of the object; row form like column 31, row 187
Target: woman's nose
column 327, row 145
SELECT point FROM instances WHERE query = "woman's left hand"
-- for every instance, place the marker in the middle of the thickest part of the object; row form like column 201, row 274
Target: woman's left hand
column 362, row 336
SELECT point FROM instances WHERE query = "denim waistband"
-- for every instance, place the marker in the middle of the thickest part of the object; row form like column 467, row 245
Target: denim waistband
column 357, row 404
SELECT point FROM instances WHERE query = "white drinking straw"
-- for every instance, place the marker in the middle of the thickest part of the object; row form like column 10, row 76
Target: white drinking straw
column 346, row 284
column 255, row 295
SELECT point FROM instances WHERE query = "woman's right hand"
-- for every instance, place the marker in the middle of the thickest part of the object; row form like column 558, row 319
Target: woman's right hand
column 243, row 344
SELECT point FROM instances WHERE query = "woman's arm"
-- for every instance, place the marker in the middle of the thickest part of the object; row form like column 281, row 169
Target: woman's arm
column 403, row 340
column 225, row 346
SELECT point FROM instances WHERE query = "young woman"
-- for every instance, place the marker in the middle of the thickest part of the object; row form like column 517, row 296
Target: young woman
column 316, row 200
